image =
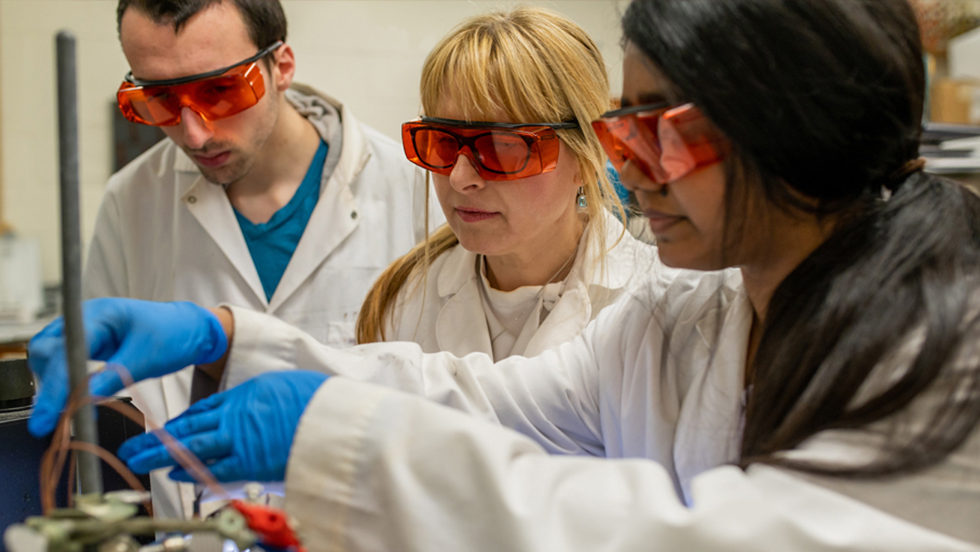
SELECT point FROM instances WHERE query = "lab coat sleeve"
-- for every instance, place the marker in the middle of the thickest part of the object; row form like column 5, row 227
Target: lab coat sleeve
column 552, row 398
column 373, row 469
column 105, row 266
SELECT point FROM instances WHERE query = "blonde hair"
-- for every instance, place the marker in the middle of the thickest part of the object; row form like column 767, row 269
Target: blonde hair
column 533, row 65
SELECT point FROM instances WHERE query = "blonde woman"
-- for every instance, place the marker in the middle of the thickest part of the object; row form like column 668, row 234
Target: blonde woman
column 532, row 250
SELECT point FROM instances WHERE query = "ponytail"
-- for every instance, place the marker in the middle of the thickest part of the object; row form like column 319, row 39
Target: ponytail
column 904, row 270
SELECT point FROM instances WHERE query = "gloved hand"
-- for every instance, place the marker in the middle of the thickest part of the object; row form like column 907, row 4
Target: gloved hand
column 245, row 433
column 146, row 338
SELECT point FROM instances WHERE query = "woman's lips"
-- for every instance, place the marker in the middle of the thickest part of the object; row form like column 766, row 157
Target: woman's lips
column 212, row 161
column 474, row 215
column 661, row 222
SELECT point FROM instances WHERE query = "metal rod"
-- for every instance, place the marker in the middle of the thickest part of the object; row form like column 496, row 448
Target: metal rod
column 89, row 469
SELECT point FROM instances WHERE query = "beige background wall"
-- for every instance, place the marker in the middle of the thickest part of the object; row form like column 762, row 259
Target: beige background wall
column 367, row 53
column 2, row 223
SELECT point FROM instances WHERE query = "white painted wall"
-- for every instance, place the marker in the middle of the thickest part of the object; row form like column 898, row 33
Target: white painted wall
column 367, row 53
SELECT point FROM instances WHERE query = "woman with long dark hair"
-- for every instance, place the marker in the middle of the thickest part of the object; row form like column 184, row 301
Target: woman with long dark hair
column 816, row 386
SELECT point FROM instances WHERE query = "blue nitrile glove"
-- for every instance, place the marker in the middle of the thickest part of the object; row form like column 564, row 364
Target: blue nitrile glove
column 146, row 338
column 243, row 434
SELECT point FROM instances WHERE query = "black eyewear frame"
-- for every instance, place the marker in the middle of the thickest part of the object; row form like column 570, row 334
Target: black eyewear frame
column 217, row 72
column 480, row 124
column 470, row 141
column 638, row 109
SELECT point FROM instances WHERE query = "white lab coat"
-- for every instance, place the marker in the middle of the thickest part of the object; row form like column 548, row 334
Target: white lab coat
column 641, row 413
column 164, row 233
column 445, row 311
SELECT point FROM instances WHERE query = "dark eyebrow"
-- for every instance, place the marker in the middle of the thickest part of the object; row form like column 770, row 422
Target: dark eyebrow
column 646, row 98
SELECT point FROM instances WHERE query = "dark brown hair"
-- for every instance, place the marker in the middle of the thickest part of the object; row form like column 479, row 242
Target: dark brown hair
column 264, row 19
column 823, row 99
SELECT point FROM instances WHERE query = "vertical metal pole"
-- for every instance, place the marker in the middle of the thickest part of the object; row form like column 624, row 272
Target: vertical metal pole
column 89, row 470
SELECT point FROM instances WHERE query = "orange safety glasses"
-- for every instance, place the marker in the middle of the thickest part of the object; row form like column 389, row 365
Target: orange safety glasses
column 498, row 151
column 666, row 142
column 212, row 95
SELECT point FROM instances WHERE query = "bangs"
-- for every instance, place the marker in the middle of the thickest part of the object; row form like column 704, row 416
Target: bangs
column 530, row 65
column 491, row 71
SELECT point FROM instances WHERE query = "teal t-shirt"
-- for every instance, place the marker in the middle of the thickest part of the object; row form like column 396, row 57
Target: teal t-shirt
column 272, row 243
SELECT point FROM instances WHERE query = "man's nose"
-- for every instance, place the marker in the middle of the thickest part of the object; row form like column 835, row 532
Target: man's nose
column 194, row 129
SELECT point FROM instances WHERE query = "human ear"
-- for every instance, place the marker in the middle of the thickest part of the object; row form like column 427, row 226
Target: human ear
column 283, row 68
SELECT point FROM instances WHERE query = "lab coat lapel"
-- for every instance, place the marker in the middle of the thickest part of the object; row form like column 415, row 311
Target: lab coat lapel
column 573, row 311
column 569, row 317
column 333, row 219
column 461, row 327
column 335, row 216
column 709, row 425
column 209, row 204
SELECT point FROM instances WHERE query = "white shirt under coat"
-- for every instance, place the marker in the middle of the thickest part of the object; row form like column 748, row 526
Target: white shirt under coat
column 621, row 439
column 164, row 233
column 448, row 311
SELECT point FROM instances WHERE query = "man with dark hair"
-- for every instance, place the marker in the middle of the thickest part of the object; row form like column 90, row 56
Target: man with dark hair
column 264, row 20
column 268, row 194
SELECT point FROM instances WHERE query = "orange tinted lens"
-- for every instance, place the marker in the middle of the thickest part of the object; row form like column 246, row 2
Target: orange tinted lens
column 150, row 106
column 612, row 146
column 221, row 96
column 625, row 139
column 615, row 135
column 497, row 154
column 435, row 148
column 213, row 98
column 689, row 129
column 665, row 144
column 502, row 152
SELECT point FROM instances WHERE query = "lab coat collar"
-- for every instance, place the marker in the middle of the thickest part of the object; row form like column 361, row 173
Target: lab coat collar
column 356, row 151
column 458, row 270
column 184, row 164
column 731, row 293
column 626, row 259
column 462, row 314
column 461, row 327
column 333, row 219
column 573, row 310
column 336, row 214
column 210, row 206
column 713, row 432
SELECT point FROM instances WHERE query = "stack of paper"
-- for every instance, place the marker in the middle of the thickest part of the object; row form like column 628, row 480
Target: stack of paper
column 951, row 149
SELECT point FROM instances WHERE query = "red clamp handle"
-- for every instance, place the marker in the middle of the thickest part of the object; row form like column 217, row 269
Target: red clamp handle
column 270, row 524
